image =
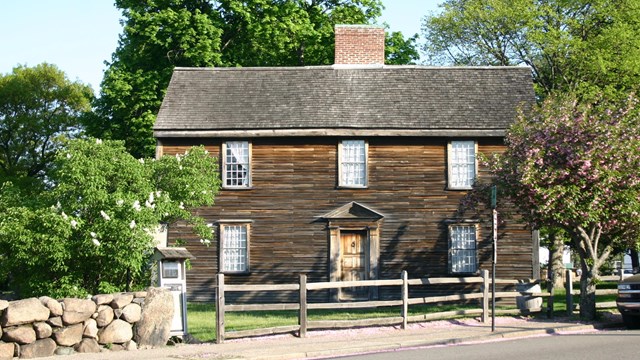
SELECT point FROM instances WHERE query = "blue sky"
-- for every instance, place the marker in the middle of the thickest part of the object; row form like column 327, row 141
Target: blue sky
column 80, row 35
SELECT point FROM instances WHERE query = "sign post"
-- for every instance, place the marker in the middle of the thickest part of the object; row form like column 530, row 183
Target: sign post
column 495, row 256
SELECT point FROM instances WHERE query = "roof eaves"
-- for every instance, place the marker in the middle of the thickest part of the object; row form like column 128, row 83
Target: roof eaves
column 259, row 133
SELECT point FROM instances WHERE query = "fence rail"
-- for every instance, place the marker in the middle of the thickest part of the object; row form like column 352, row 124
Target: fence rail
column 570, row 292
column 302, row 306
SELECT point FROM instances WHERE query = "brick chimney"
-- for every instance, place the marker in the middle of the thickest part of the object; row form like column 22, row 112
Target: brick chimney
column 359, row 44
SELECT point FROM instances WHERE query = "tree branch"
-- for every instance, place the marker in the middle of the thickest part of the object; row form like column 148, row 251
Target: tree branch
column 589, row 250
column 595, row 235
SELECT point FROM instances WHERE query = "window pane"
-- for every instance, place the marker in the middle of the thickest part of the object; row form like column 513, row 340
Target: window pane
column 463, row 249
column 353, row 163
column 463, row 164
column 170, row 269
column 237, row 163
column 234, row 248
column 463, row 261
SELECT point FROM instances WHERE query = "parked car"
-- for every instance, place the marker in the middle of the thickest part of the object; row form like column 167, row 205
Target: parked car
column 628, row 301
column 626, row 273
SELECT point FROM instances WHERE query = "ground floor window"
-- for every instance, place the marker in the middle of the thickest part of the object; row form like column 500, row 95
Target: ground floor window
column 462, row 249
column 234, row 248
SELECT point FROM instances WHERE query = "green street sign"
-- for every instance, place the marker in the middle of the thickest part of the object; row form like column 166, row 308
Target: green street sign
column 494, row 196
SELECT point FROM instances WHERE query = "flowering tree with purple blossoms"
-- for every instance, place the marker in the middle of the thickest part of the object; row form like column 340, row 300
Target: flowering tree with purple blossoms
column 575, row 167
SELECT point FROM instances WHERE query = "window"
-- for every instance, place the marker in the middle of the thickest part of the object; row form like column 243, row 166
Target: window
column 170, row 269
column 462, row 249
column 462, row 164
column 234, row 248
column 352, row 167
column 237, row 166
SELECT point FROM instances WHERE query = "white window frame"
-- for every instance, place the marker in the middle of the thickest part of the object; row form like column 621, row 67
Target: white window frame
column 462, row 169
column 232, row 247
column 171, row 269
column 463, row 252
column 231, row 147
column 347, row 178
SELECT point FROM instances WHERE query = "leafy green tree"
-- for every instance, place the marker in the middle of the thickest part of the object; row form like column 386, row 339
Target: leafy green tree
column 159, row 35
column 287, row 33
column 255, row 33
column 400, row 51
column 581, row 46
column 39, row 106
column 574, row 167
column 92, row 231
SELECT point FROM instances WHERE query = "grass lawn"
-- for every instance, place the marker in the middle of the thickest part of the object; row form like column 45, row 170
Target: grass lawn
column 560, row 299
column 201, row 317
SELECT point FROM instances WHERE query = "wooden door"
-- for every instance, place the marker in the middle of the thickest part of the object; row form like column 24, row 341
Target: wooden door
column 353, row 253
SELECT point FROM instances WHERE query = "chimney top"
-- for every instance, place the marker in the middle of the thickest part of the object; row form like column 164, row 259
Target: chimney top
column 359, row 44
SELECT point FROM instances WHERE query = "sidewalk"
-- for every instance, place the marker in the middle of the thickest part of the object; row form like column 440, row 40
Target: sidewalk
column 319, row 344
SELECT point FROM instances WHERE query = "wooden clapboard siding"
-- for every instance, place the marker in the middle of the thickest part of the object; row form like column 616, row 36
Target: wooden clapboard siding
column 294, row 182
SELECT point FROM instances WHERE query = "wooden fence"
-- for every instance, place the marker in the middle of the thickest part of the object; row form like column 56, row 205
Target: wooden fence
column 302, row 306
column 570, row 292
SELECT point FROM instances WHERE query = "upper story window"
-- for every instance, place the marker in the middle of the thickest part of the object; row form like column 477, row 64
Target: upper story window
column 234, row 248
column 462, row 164
column 236, row 164
column 352, row 166
column 462, row 249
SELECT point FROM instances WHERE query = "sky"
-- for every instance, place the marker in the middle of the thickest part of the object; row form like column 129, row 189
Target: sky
column 78, row 36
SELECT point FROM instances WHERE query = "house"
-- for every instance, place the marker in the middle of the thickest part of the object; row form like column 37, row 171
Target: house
column 350, row 171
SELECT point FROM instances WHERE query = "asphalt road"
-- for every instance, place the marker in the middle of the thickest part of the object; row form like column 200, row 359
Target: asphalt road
column 609, row 344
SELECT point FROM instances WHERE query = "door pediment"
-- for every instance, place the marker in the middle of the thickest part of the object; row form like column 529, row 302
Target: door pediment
column 352, row 211
column 349, row 219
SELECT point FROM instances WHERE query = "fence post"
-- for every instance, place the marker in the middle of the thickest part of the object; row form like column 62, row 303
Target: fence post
column 550, row 300
column 302, row 315
column 485, row 296
column 569, row 287
column 405, row 298
column 220, row 310
column 621, row 271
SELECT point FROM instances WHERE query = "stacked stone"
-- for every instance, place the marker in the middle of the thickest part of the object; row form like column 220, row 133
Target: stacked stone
column 39, row 327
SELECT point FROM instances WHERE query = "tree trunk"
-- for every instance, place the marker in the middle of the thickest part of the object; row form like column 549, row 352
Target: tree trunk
column 556, row 266
column 588, row 292
column 592, row 256
column 635, row 264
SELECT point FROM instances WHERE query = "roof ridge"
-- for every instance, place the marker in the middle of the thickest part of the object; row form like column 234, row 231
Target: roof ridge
column 349, row 67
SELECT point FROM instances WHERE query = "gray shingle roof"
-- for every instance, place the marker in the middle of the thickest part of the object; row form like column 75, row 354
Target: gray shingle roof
column 325, row 97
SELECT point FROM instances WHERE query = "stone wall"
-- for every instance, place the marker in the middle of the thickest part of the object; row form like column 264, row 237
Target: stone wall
column 39, row 327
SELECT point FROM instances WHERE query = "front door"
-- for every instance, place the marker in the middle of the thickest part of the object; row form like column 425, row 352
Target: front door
column 353, row 254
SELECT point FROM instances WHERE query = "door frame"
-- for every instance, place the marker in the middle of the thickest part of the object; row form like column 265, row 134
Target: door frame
column 372, row 254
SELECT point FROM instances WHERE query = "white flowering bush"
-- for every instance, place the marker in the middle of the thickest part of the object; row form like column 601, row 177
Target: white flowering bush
column 90, row 231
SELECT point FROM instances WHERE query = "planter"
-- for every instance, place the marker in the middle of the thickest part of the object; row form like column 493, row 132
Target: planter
column 526, row 301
